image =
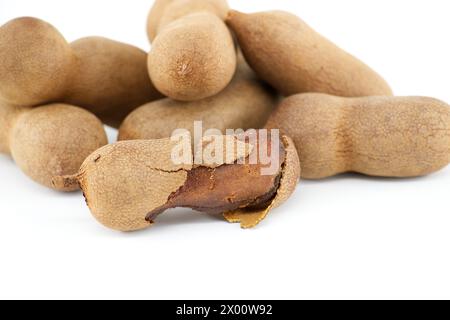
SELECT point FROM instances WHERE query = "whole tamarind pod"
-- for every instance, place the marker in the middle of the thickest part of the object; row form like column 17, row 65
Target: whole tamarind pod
column 377, row 136
column 245, row 104
column 39, row 67
column 128, row 184
column 50, row 141
column 193, row 55
column 35, row 63
column 293, row 58
column 111, row 79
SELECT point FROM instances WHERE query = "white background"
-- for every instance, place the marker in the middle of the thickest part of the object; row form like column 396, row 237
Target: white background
column 346, row 237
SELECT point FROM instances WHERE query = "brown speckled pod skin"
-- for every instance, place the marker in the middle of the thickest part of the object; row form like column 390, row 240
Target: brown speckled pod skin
column 128, row 184
column 8, row 117
column 181, row 8
column 39, row 67
column 396, row 137
column 157, row 10
column 245, row 104
column 112, row 79
column 35, row 62
column 50, row 141
column 193, row 57
column 164, row 12
column 293, row 58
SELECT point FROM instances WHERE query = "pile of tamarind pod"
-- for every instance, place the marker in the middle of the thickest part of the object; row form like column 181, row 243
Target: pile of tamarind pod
column 227, row 69
column 51, row 93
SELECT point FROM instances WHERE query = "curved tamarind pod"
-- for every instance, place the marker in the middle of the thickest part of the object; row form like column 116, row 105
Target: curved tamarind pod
column 293, row 58
column 377, row 136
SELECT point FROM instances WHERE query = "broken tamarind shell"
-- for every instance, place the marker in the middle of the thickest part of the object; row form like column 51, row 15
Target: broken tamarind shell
column 127, row 185
column 290, row 176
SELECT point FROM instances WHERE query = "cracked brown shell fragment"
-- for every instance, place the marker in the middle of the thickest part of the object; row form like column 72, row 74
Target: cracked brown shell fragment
column 396, row 137
column 128, row 184
column 123, row 182
column 289, row 179
column 232, row 150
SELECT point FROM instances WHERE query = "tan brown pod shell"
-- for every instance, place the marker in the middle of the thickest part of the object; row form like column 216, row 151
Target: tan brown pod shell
column 112, row 79
column 8, row 116
column 192, row 58
column 181, row 8
column 154, row 16
column 293, row 58
column 128, row 184
column 125, row 181
column 39, row 67
column 35, row 62
column 164, row 12
column 245, row 104
column 376, row 136
column 52, row 141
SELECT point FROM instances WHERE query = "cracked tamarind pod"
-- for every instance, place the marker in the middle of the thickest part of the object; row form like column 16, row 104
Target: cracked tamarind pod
column 293, row 58
column 50, row 141
column 38, row 67
column 377, row 136
column 193, row 55
column 128, row 184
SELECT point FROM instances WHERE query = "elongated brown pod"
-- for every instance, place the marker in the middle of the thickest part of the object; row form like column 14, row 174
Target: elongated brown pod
column 39, row 67
column 50, row 141
column 110, row 79
column 128, row 184
column 293, row 58
column 377, row 136
column 245, row 104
